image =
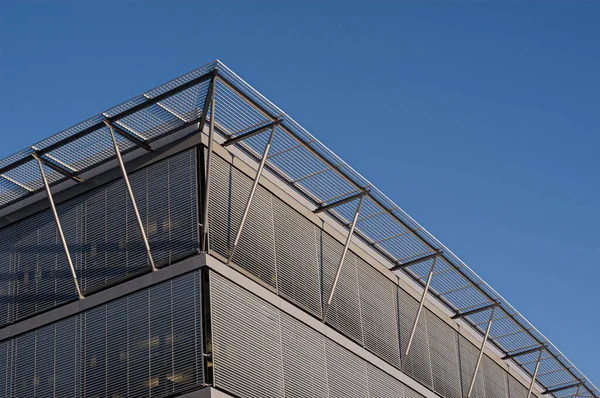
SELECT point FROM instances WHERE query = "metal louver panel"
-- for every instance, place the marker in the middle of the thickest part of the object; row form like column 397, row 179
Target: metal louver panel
column 443, row 351
column 148, row 344
column 6, row 268
column 298, row 272
column 304, row 365
column 103, row 238
column 494, row 379
column 246, row 342
column 346, row 373
column 418, row 362
column 516, row 389
column 468, row 358
column 379, row 312
column 256, row 250
column 344, row 312
column 382, row 385
column 183, row 220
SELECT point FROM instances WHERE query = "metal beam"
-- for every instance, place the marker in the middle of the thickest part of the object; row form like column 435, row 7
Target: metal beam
column 58, row 226
column 132, row 137
column 416, row 261
column 330, row 206
column 252, row 192
column 421, row 304
column 210, row 94
column 535, row 372
column 343, row 257
column 61, row 170
column 481, row 350
column 207, row 178
column 130, row 192
column 475, row 311
column 557, row 389
column 252, row 133
column 518, row 354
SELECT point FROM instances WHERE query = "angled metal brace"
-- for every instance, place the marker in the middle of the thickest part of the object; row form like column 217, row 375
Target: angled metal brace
column 416, row 261
column 557, row 389
column 252, row 133
column 343, row 257
column 130, row 192
column 210, row 94
column 207, row 178
column 481, row 349
column 577, row 392
column 421, row 304
column 61, row 169
column 330, row 206
column 535, row 372
column 475, row 311
column 58, row 225
column 132, row 137
column 252, row 192
column 518, row 354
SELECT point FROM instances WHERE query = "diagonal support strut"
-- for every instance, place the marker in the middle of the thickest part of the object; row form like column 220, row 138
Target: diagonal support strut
column 131, row 197
column 481, row 350
column 58, row 225
column 343, row 257
column 252, row 192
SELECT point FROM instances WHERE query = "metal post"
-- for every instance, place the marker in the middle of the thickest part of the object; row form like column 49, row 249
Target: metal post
column 485, row 337
column 206, row 199
column 58, row 226
column 130, row 192
column 535, row 372
column 252, row 191
column 421, row 304
column 344, row 252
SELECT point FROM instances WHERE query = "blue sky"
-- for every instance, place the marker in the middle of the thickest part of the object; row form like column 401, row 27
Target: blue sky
column 480, row 118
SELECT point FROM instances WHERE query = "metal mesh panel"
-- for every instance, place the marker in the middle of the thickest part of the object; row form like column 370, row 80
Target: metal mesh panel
column 298, row 271
column 246, row 342
column 379, row 313
column 443, row 350
column 304, row 365
column 344, row 311
column 418, row 362
column 494, row 379
column 346, row 373
column 468, row 360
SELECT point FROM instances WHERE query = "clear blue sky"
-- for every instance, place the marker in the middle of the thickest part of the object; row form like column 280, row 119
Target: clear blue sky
column 481, row 119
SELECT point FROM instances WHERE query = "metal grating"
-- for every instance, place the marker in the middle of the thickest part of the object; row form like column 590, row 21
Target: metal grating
column 301, row 162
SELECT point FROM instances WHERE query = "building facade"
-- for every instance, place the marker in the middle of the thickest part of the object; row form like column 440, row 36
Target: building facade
column 195, row 241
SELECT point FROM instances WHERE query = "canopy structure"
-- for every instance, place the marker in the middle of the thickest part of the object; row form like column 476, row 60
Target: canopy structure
column 245, row 118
